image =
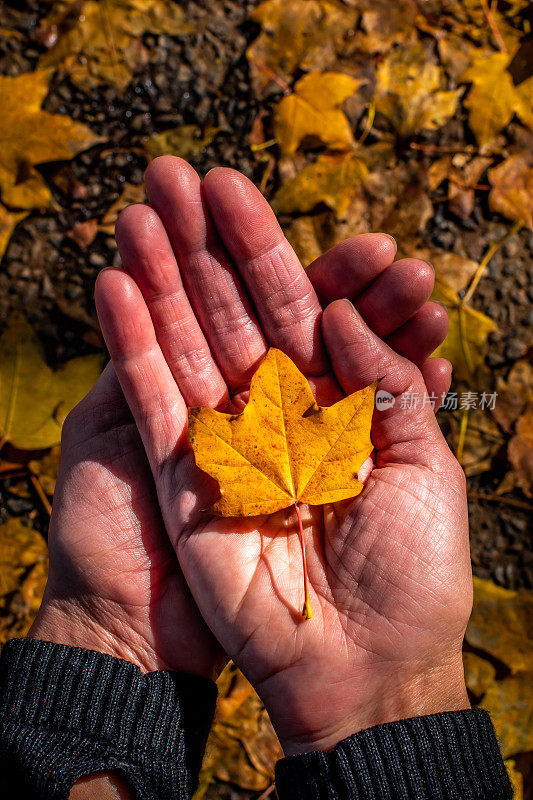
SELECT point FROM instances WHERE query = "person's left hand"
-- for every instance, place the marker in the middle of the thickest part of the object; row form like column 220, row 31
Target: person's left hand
column 115, row 584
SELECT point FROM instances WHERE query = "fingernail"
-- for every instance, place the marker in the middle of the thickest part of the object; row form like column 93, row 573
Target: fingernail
column 439, row 303
column 349, row 302
column 393, row 240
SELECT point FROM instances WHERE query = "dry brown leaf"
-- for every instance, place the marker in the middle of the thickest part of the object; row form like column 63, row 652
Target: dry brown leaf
column 512, row 188
column 47, row 469
column 131, row 193
column 513, row 394
column 31, row 136
column 467, row 335
column 399, row 204
column 456, row 271
column 8, row 222
column 242, row 747
column 386, row 24
column 84, row 233
column 502, row 624
column 410, row 91
column 314, row 109
column 520, row 451
column 305, row 34
column 183, row 142
column 332, row 179
column 104, row 45
column 479, row 673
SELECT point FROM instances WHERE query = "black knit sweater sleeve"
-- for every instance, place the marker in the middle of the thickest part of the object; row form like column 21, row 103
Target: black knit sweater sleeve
column 449, row 756
column 67, row 712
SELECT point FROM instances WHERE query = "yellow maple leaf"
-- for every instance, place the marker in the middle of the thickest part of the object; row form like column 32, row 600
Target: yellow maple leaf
column 332, row 179
column 409, row 91
column 34, row 400
column 509, row 705
column 283, row 448
column 305, row 34
column 315, row 109
column 32, row 136
column 493, row 98
column 512, row 188
column 467, row 335
column 104, row 45
column 511, row 639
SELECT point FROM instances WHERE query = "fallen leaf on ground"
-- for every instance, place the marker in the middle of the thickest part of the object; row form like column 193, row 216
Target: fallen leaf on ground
column 8, row 222
column 467, row 335
column 332, row 179
column 182, row 141
column 283, row 448
column 513, row 394
column 483, row 440
column 305, row 34
column 314, row 109
column 35, row 400
column 520, row 450
column 493, row 98
column 479, row 673
column 21, row 546
column 410, row 93
column 512, row 188
column 455, row 271
column 31, row 136
column 84, row 233
column 47, row 469
column 502, row 624
column 516, row 778
column 104, row 46
column 511, row 709
column 386, row 23
column 132, row 193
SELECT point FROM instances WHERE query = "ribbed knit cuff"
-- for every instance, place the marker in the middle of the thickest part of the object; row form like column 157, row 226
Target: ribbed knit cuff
column 67, row 712
column 438, row 757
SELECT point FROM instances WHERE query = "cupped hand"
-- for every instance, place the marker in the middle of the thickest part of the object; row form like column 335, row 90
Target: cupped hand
column 389, row 571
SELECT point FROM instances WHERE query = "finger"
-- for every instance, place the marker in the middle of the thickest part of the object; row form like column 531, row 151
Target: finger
column 283, row 296
column 214, row 289
column 145, row 377
column 401, row 432
column 147, row 255
column 422, row 334
column 396, row 295
column 437, row 374
column 350, row 266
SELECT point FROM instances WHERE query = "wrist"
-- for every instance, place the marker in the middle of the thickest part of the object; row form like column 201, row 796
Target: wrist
column 69, row 622
column 370, row 702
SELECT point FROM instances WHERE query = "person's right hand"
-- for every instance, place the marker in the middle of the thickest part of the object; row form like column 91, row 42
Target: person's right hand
column 390, row 570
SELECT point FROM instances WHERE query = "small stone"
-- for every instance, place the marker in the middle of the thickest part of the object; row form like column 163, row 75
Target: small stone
column 515, row 349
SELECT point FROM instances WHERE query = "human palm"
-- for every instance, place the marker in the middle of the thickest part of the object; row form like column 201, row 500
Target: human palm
column 383, row 568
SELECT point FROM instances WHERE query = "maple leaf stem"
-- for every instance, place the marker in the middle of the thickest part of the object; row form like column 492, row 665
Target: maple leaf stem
column 307, row 611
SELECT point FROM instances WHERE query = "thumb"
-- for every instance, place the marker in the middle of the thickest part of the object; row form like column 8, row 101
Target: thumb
column 404, row 428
